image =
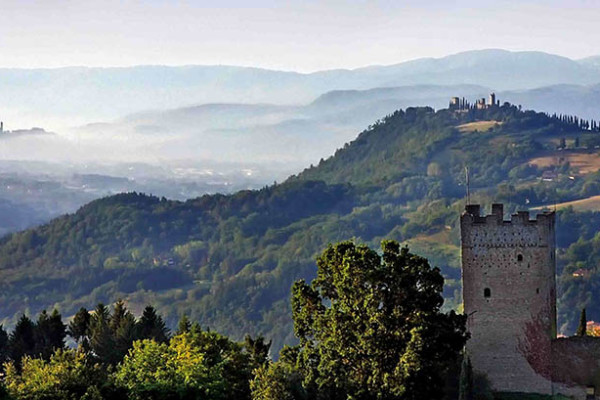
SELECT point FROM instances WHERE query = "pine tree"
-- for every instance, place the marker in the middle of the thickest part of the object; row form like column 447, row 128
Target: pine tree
column 101, row 338
column 184, row 325
column 117, row 316
column 50, row 334
column 196, row 328
column 21, row 341
column 126, row 333
column 152, row 326
column 582, row 328
column 79, row 327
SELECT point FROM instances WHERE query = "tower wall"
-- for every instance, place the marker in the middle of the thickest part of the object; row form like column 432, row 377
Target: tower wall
column 508, row 272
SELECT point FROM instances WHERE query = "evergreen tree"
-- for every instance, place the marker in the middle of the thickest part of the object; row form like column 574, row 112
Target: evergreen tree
column 466, row 379
column 184, row 325
column 582, row 328
column 258, row 349
column 152, row 326
column 50, row 334
column 21, row 341
column 101, row 339
column 117, row 315
column 127, row 332
column 79, row 327
column 196, row 328
column 124, row 329
column 3, row 346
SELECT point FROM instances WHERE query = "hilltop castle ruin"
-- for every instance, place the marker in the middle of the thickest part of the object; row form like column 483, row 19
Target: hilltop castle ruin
column 461, row 104
column 509, row 294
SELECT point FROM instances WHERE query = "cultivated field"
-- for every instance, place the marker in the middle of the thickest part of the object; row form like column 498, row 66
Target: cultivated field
column 479, row 126
column 584, row 162
column 589, row 204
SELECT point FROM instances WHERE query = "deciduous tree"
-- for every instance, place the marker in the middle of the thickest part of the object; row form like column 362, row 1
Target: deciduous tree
column 371, row 327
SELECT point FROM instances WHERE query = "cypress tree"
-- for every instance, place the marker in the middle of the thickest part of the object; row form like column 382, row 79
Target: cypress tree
column 582, row 328
column 466, row 380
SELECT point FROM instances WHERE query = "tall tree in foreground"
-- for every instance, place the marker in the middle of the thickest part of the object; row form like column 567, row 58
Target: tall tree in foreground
column 582, row 328
column 466, row 379
column 370, row 326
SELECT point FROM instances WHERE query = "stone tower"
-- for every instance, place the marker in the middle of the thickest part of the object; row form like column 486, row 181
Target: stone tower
column 508, row 274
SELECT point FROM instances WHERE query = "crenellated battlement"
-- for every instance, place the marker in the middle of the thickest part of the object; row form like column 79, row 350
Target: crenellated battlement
column 473, row 215
column 508, row 273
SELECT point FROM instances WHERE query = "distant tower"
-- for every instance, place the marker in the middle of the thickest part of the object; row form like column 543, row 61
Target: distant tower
column 492, row 99
column 454, row 103
column 508, row 274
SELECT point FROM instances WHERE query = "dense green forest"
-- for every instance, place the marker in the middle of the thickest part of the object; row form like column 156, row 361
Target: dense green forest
column 370, row 327
column 229, row 261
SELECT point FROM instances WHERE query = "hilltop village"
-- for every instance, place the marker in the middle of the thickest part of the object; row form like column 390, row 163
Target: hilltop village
column 461, row 104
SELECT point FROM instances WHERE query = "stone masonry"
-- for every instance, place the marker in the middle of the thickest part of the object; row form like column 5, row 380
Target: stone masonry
column 508, row 273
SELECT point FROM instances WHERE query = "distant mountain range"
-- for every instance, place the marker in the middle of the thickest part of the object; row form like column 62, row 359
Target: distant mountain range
column 593, row 61
column 268, row 123
column 263, row 133
column 77, row 95
column 301, row 135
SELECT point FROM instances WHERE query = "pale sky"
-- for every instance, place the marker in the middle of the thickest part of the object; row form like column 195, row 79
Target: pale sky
column 299, row 35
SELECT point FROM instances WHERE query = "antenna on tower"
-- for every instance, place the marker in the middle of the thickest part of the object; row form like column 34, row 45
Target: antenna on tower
column 468, row 185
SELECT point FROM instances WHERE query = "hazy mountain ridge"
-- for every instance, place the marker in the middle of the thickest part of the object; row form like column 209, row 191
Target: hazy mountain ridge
column 104, row 93
column 302, row 135
column 299, row 135
column 593, row 61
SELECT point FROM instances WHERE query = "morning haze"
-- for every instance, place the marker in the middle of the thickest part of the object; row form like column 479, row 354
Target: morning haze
column 290, row 200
